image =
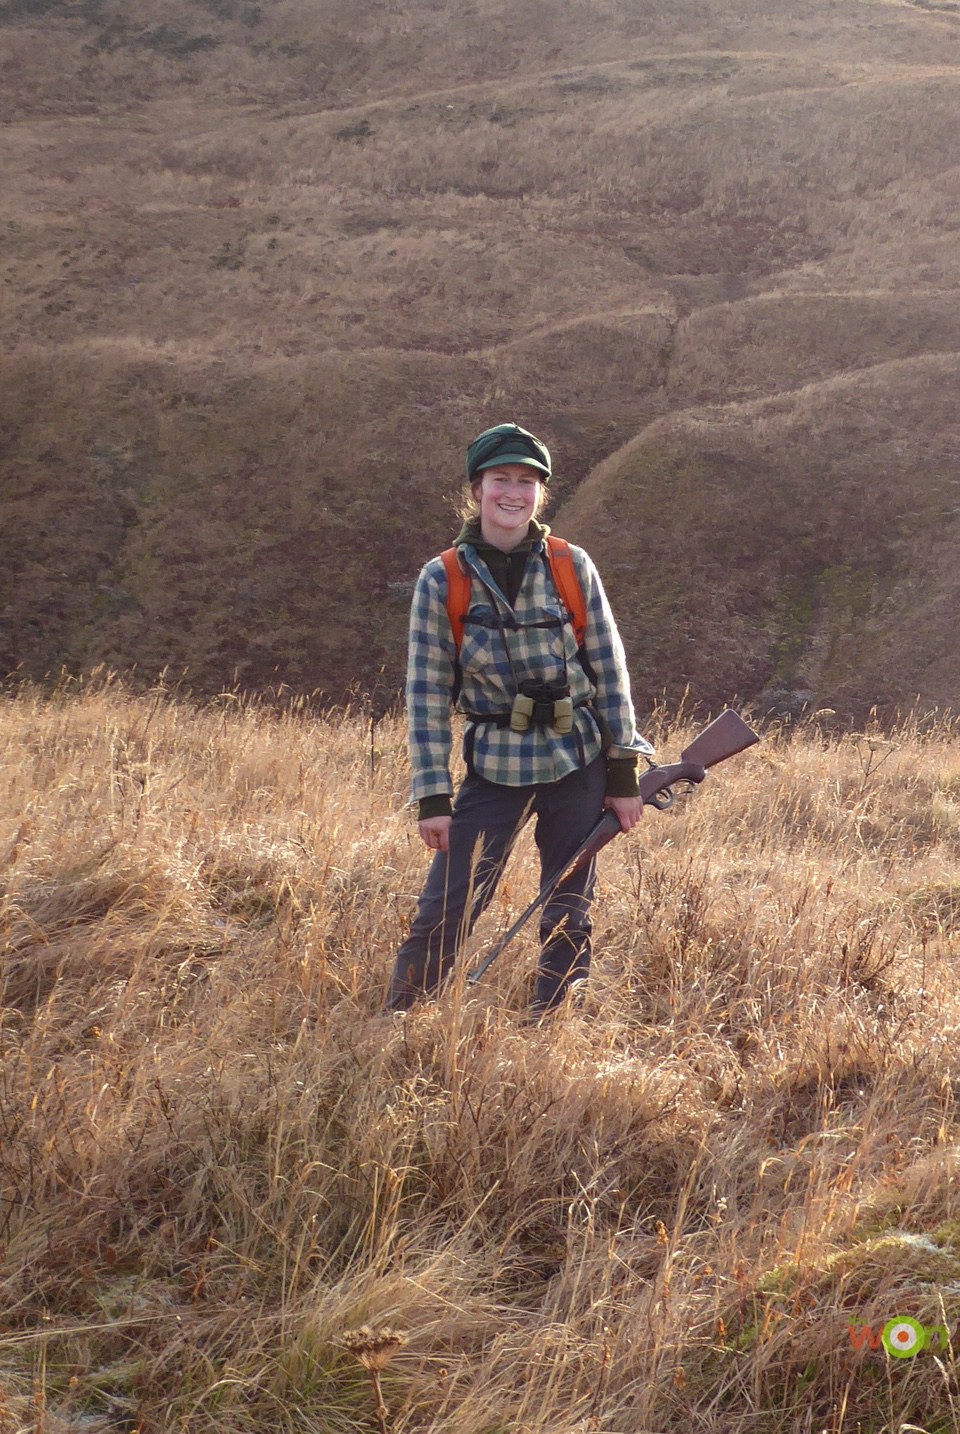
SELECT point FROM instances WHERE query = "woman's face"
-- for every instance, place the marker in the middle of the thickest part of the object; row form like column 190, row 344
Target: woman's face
column 508, row 497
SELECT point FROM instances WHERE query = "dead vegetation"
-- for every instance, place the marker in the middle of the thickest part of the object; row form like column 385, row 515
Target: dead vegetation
column 266, row 266
column 222, row 1169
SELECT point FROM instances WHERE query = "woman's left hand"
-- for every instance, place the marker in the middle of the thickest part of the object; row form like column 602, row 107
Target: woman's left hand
column 628, row 809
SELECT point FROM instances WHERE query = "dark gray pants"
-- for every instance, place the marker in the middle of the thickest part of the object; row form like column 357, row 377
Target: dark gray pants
column 487, row 819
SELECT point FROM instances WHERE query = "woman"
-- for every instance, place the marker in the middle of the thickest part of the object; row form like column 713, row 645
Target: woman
column 550, row 724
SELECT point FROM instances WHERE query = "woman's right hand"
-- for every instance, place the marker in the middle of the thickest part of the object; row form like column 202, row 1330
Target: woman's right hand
column 435, row 832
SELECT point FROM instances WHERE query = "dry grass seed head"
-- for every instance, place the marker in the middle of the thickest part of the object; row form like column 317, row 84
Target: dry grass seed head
column 373, row 1348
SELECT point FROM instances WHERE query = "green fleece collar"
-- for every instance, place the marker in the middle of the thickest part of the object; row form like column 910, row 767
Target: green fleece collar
column 471, row 533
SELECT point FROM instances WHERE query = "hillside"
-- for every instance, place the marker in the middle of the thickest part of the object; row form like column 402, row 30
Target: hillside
column 268, row 267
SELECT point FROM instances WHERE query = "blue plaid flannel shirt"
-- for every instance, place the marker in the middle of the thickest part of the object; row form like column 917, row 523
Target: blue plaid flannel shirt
column 489, row 682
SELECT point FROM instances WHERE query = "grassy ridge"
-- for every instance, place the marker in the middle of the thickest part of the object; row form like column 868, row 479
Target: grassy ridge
column 217, row 1156
column 755, row 568
column 268, row 267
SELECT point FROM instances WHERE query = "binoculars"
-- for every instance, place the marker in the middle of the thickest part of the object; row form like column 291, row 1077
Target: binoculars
column 546, row 704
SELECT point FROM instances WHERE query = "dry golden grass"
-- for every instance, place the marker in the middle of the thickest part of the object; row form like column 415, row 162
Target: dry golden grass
column 218, row 1158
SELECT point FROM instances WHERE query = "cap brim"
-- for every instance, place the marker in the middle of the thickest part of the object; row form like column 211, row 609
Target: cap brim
column 502, row 458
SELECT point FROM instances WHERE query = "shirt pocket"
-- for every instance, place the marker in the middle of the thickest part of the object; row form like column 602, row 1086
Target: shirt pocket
column 478, row 653
column 570, row 647
column 543, row 642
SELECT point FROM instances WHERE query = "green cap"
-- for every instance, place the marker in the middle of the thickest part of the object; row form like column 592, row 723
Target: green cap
column 507, row 443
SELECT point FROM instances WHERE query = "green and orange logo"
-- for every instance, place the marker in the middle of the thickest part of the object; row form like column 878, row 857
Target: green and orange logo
column 901, row 1336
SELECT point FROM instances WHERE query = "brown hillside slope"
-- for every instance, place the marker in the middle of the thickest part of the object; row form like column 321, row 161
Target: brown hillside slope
column 267, row 267
column 805, row 542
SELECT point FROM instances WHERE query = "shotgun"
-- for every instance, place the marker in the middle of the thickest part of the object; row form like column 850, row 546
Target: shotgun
column 725, row 736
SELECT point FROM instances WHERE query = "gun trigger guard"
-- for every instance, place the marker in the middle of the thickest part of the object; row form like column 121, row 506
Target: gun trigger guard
column 667, row 796
column 662, row 800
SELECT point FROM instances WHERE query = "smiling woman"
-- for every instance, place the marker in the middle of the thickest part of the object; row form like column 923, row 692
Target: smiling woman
column 508, row 497
column 550, row 723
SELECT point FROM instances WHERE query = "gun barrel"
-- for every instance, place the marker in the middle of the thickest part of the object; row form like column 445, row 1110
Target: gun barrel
column 606, row 827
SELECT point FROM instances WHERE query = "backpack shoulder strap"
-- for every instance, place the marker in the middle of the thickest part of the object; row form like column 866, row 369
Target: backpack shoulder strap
column 565, row 577
column 568, row 584
column 458, row 593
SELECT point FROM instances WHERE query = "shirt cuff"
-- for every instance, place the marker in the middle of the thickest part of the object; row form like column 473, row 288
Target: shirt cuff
column 439, row 805
column 622, row 777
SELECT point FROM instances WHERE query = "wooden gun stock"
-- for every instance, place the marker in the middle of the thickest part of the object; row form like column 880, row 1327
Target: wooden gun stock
column 725, row 736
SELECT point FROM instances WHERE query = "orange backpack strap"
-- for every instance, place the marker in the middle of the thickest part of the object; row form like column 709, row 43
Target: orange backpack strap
column 568, row 584
column 458, row 593
column 565, row 578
